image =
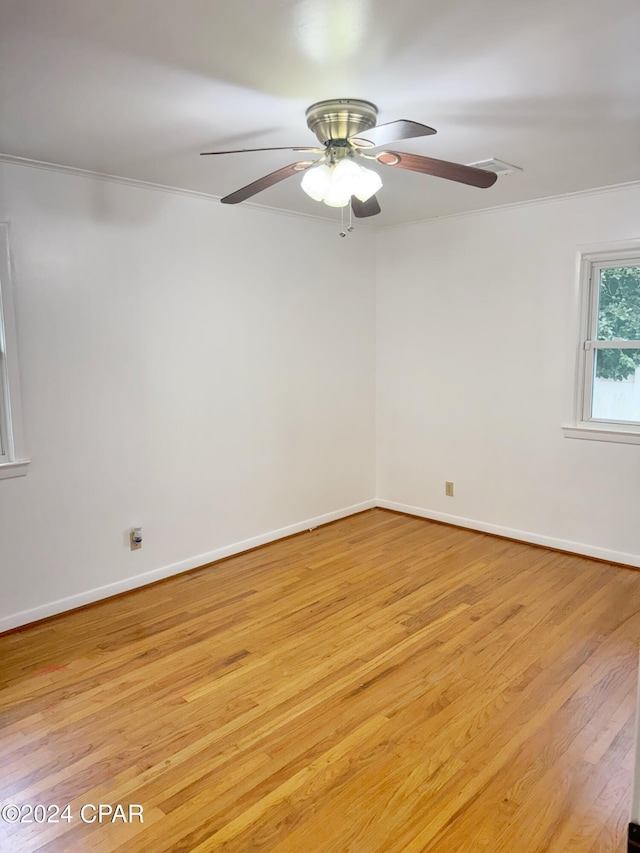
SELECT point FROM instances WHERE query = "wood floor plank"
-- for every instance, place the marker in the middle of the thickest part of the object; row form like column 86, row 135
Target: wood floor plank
column 383, row 684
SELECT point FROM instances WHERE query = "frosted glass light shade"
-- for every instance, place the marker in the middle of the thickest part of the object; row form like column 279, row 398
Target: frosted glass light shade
column 337, row 198
column 343, row 179
column 369, row 182
column 316, row 182
column 346, row 174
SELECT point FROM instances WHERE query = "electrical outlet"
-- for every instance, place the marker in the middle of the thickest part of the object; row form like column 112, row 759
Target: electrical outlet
column 135, row 538
column 448, row 489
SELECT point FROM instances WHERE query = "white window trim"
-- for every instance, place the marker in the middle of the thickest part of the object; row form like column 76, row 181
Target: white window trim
column 586, row 427
column 13, row 462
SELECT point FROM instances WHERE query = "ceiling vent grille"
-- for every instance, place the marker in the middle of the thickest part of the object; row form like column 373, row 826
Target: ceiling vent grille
column 497, row 166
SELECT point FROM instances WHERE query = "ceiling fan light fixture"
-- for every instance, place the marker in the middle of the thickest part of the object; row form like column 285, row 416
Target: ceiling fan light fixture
column 335, row 184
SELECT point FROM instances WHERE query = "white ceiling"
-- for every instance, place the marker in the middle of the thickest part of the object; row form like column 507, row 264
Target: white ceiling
column 137, row 88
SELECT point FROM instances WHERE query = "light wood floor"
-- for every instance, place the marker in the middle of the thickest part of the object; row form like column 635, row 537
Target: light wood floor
column 383, row 684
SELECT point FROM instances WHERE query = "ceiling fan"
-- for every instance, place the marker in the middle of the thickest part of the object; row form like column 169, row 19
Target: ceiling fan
column 347, row 130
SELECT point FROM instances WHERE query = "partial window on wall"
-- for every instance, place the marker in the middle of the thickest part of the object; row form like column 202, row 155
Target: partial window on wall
column 12, row 460
column 608, row 394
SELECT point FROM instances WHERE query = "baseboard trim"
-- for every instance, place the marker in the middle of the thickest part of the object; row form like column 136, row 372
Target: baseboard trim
column 53, row 608
column 571, row 547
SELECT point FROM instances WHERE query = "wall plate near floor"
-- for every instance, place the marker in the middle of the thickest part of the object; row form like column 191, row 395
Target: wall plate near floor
column 448, row 488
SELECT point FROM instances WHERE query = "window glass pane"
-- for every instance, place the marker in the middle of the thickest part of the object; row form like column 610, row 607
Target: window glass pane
column 619, row 304
column 616, row 385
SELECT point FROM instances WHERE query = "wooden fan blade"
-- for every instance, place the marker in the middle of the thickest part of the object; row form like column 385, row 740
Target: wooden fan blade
column 265, row 182
column 439, row 168
column 370, row 207
column 249, row 150
column 382, row 134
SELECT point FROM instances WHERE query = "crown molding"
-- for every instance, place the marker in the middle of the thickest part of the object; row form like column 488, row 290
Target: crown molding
column 515, row 204
column 14, row 160
column 166, row 188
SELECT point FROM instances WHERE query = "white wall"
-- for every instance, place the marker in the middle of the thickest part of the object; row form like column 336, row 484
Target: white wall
column 199, row 370
column 196, row 369
column 470, row 306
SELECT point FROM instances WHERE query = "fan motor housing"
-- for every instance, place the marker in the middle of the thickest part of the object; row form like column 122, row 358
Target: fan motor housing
column 338, row 120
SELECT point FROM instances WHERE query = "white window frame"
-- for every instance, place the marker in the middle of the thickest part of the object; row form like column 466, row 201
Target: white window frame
column 586, row 426
column 13, row 462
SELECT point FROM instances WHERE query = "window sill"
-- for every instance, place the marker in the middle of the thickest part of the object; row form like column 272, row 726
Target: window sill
column 13, row 469
column 603, row 433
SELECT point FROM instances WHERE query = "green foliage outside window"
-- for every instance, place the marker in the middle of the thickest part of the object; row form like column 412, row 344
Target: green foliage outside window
column 618, row 319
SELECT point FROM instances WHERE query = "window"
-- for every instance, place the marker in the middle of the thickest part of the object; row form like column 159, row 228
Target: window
column 12, row 463
column 608, row 399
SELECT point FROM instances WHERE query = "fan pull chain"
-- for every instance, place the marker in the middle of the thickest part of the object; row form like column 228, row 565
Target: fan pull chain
column 351, row 227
